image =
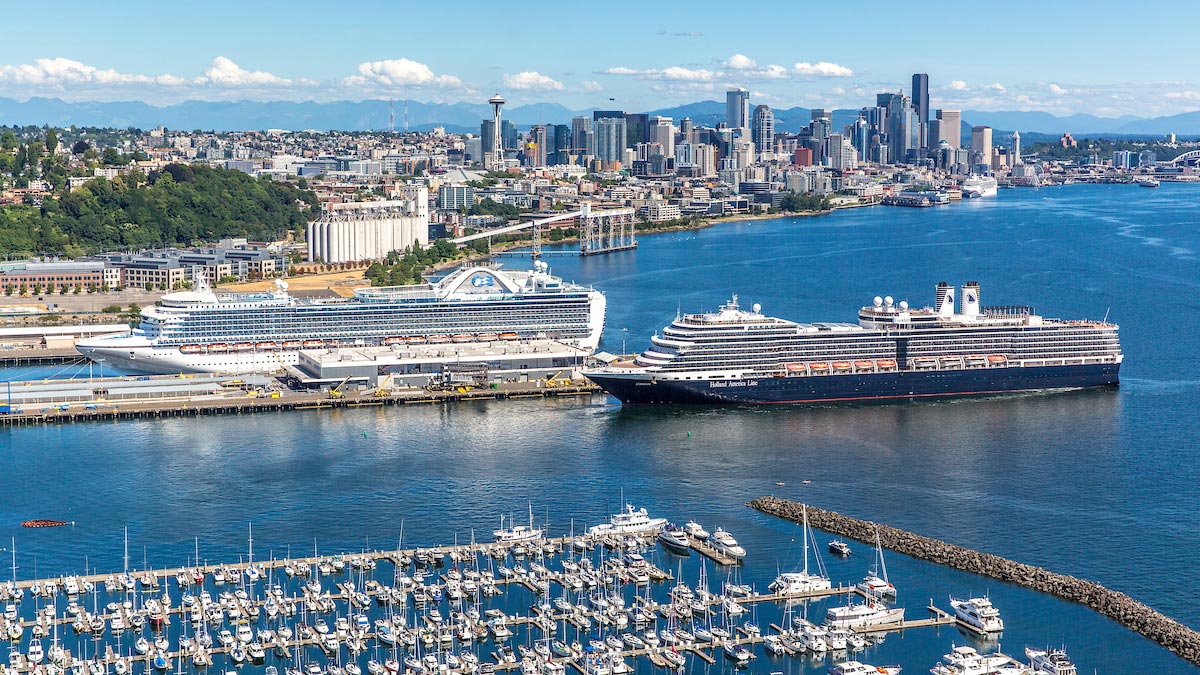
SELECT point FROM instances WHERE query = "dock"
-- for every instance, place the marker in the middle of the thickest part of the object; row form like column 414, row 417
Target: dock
column 702, row 547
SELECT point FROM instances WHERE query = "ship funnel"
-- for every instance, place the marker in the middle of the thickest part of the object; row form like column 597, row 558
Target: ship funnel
column 970, row 299
column 945, row 300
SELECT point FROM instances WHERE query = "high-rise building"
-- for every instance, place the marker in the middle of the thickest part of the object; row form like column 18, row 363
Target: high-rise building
column 949, row 128
column 920, row 103
column 487, row 136
column 610, row 139
column 508, row 134
column 981, row 148
column 763, row 129
column 737, row 108
column 901, row 127
column 535, row 146
column 637, row 129
column 581, row 129
column 687, row 131
column 662, row 132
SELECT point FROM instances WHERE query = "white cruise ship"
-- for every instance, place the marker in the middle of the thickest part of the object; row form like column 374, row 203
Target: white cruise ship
column 979, row 186
column 203, row 331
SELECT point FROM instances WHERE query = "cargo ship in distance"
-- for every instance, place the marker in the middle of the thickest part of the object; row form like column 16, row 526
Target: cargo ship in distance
column 734, row 356
column 203, row 331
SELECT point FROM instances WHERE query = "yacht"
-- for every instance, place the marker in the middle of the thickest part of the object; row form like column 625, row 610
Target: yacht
column 1050, row 661
column 694, row 529
column 857, row 668
column 839, row 547
column 675, row 539
column 873, row 585
column 979, row 613
column 629, row 521
column 1149, row 182
column 966, row 661
column 867, row 613
column 725, row 544
column 518, row 533
column 802, row 582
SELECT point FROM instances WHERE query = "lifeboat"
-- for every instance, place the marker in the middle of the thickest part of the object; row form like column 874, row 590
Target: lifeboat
column 508, row 336
column 241, row 347
column 924, row 362
column 190, row 349
column 393, row 341
column 886, row 363
column 864, row 365
column 439, row 339
column 265, row 346
column 997, row 359
column 292, row 344
column 949, row 360
column 795, row 367
column 974, row 360
column 416, row 340
column 819, row 366
column 487, row 337
column 462, row 338
column 218, row 348
column 841, row 365
column 311, row 343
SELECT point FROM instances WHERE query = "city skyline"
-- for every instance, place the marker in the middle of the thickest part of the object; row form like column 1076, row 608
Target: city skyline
column 1031, row 57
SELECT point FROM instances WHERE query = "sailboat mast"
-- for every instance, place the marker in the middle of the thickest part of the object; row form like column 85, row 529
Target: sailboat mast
column 804, row 510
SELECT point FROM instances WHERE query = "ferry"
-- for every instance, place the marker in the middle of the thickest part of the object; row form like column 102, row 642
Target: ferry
column 735, row 356
column 204, row 331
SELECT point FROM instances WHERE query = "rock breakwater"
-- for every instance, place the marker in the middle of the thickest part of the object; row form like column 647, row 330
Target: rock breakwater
column 1118, row 606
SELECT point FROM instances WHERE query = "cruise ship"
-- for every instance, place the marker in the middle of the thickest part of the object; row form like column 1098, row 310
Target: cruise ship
column 979, row 186
column 203, row 331
column 734, row 356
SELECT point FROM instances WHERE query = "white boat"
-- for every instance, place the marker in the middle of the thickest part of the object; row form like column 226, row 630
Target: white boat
column 857, row 668
column 966, row 661
column 518, row 533
column 874, row 585
column 979, row 186
column 839, row 547
column 1148, row 182
column 725, row 544
column 628, row 521
column 978, row 612
column 802, row 581
column 812, row 637
column 1050, row 661
column 676, row 539
column 695, row 530
column 869, row 613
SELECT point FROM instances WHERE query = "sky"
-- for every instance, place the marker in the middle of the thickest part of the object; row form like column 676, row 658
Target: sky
column 1099, row 57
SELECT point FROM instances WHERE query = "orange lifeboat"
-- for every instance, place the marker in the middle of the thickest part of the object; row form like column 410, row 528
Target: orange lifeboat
column 393, row 341
column 308, row 344
column 924, row 362
column 997, row 358
column 190, row 349
column 841, row 365
column 886, row 363
column 218, row 348
column 820, row 366
column 864, row 365
column 795, row 367
column 265, row 346
column 416, row 340
column 292, row 344
column 508, row 336
column 439, row 339
column 462, row 338
column 487, row 337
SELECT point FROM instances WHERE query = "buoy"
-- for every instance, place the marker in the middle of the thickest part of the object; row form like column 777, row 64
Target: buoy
column 364, row 434
column 689, row 434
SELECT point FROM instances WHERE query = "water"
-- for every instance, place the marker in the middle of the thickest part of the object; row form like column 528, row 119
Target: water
column 1100, row 485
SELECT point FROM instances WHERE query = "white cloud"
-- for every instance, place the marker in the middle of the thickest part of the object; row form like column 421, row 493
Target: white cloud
column 532, row 80
column 399, row 72
column 223, row 72
column 590, row 86
column 822, row 69
column 1186, row 95
column 58, row 72
column 674, row 74
column 740, row 62
column 957, row 85
column 996, row 86
column 1057, row 90
column 837, row 91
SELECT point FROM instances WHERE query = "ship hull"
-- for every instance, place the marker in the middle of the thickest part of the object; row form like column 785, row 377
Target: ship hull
column 642, row 389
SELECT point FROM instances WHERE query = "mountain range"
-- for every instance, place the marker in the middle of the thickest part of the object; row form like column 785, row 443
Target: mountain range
column 465, row 117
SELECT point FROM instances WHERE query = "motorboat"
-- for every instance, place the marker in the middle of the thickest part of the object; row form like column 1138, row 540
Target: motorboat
column 628, row 521
column 858, row 668
column 978, row 612
column 963, row 660
column 1050, row 661
column 695, row 530
column 869, row 613
column 725, row 544
column 675, row 539
column 839, row 547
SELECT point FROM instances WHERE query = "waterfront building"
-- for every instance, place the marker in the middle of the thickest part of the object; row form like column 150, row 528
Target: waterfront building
column 52, row 275
column 356, row 231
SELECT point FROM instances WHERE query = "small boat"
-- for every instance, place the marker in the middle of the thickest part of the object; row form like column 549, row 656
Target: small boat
column 737, row 653
column 1050, row 661
column 310, row 344
column 819, row 366
column 857, row 668
column 416, row 340
column 675, row 539
column 487, row 337
column 508, row 336
column 997, row 359
column 217, row 348
column 725, row 544
column 978, row 612
column 1148, row 182
column 190, row 349
column 695, row 530
column 839, row 547
column 867, row 613
column 864, row 365
column 462, row 338
column 265, row 346
column 841, row 365
column 292, row 344
column 886, row 364
column 241, row 347
column 924, row 362
column 438, row 339
column 393, row 341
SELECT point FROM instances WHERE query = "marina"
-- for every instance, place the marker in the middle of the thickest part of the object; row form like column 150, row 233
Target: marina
column 594, row 603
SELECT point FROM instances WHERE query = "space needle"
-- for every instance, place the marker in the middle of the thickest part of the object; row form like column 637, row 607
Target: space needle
column 497, row 146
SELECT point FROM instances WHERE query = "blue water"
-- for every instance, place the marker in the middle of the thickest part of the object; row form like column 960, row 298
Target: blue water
column 1101, row 485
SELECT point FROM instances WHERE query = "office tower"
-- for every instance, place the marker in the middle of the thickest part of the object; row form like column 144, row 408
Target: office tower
column 637, row 129
column 535, row 148
column 920, row 104
column 662, row 132
column 610, row 139
column 1016, row 148
column 950, row 129
column 487, row 137
column 860, row 138
column 581, row 127
column 763, row 129
column 981, row 147
column 508, row 135
column 816, row 114
column 737, row 108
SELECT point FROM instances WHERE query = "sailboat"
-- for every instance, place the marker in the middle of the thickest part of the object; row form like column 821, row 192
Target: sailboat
column 802, row 581
column 872, row 584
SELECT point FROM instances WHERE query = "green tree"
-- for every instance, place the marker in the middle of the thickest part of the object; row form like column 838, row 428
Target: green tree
column 51, row 141
column 8, row 141
column 80, row 147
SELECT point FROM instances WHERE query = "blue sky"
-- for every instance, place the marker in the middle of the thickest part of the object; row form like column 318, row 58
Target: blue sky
column 1106, row 58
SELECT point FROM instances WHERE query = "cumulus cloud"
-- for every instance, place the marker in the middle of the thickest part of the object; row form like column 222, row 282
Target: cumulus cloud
column 223, row 72
column 822, row 69
column 740, row 62
column 590, row 86
column 58, row 72
column 1057, row 90
column 957, row 85
column 674, row 73
column 531, row 80
column 398, row 73
column 996, row 86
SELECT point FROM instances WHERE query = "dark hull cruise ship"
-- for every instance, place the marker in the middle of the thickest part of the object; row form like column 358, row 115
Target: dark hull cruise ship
column 734, row 356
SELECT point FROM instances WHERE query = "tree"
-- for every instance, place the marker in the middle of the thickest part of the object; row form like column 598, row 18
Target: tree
column 8, row 141
column 51, row 141
column 80, row 147
column 112, row 157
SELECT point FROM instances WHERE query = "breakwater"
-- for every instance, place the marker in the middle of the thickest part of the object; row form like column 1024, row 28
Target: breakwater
column 1116, row 605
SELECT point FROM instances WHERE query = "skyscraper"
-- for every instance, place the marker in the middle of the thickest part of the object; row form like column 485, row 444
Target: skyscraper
column 981, row 149
column 920, row 104
column 508, row 135
column 637, row 129
column 737, row 108
column 487, row 137
column 610, row 139
column 662, row 131
column 581, row 128
column 763, row 129
column 950, row 130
